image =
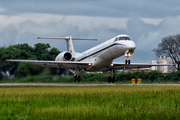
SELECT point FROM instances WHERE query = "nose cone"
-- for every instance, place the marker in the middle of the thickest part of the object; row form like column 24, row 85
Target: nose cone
column 130, row 45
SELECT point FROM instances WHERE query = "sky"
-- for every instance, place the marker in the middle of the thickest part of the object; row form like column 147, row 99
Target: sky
column 145, row 21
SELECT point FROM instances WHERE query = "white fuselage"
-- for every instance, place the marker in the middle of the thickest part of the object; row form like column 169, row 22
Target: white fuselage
column 101, row 56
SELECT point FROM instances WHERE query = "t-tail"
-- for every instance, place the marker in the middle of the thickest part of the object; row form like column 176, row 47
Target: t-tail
column 70, row 47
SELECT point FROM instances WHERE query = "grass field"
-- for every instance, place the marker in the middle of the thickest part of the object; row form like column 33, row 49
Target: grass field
column 90, row 102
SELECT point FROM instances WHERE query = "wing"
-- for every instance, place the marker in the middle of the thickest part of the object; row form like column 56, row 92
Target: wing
column 118, row 66
column 74, row 64
column 63, row 64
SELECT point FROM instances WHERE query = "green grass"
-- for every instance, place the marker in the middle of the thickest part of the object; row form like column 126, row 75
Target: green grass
column 99, row 102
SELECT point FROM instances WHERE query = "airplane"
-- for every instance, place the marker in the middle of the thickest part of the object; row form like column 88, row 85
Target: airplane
column 98, row 58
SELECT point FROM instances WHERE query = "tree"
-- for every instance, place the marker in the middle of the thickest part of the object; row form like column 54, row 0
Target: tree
column 19, row 51
column 25, row 69
column 170, row 46
column 40, row 51
column 1, row 76
column 155, row 75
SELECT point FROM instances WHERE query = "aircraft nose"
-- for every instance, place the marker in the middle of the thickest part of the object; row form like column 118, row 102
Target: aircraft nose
column 130, row 45
column 133, row 45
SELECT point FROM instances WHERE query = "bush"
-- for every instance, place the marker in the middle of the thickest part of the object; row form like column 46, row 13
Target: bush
column 152, row 76
column 173, row 76
column 37, row 78
column 93, row 77
column 63, row 79
column 25, row 69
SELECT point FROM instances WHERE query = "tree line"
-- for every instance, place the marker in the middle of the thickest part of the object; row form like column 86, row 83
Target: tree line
column 152, row 76
column 121, row 77
column 39, row 51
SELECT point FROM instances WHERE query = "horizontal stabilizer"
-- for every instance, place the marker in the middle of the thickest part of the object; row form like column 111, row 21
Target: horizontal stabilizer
column 69, row 43
column 65, row 38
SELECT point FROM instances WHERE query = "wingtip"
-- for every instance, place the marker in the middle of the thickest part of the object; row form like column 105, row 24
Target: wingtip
column 8, row 60
column 38, row 37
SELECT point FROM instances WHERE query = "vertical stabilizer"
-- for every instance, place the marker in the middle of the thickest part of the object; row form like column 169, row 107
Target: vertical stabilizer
column 70, row 46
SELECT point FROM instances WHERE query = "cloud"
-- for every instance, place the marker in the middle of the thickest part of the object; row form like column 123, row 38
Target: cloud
column 146, row 22
column 146, row 36
column 8, row 35
column 103, row 8
column 26, row 31
column 170, row 25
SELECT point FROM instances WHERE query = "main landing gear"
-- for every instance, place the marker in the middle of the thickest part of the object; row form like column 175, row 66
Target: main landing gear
column 112, row 77
column 77, row 78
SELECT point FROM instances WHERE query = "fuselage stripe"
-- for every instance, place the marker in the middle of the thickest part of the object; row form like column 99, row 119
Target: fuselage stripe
column 100, row 51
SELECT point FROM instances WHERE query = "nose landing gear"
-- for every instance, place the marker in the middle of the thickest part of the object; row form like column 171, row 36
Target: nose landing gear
column 127, row 62
column 128, row 54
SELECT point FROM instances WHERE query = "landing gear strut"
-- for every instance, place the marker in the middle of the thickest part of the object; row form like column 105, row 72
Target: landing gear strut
column 112, row 77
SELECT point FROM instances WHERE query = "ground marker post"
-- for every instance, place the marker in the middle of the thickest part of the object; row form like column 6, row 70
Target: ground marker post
column 136, row 80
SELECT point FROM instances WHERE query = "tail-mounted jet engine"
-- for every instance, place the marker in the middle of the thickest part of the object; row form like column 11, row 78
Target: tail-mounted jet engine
column 64, row 56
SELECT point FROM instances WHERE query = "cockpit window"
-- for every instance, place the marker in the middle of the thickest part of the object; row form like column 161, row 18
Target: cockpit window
column 124, row 38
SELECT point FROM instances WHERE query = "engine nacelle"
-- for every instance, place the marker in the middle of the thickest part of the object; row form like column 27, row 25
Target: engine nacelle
column 64, row 56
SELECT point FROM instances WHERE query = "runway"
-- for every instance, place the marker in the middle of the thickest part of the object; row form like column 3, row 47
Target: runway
column 79, row 84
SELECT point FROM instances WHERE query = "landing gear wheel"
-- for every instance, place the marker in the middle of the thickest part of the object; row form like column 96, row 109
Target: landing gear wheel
column 79, row 79
column 113, row 79
column 75, row 78
column 109, row 79
column 126, row 62
column 129, row 62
